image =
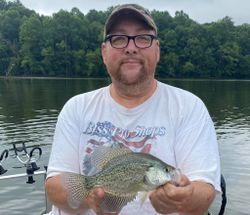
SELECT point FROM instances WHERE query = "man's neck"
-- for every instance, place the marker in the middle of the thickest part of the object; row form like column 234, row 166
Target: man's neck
column 132, row 96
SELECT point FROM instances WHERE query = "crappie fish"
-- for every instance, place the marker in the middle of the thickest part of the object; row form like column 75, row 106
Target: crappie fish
column 121, row 173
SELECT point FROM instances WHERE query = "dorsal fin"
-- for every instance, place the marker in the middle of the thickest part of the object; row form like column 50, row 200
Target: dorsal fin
column 103, row 154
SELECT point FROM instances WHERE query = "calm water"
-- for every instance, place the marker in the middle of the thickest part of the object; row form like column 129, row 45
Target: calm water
column 28, row 112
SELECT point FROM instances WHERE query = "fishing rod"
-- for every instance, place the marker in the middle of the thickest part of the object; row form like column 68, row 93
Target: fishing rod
column 28, row 159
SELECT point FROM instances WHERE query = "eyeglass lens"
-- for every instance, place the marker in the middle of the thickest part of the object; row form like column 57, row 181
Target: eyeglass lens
column 121, row 41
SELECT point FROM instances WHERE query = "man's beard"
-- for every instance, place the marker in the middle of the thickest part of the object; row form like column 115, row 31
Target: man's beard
column 122, row 78
column 134, row 87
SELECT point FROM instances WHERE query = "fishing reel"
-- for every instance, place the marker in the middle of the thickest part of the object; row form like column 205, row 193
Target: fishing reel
column 3, row 157
column 28, row 159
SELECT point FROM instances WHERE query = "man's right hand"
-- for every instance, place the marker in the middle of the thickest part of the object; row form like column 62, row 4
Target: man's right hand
column 94, row 200
column 58, row 197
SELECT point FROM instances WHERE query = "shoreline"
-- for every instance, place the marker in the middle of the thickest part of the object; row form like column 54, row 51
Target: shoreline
column 101, row 78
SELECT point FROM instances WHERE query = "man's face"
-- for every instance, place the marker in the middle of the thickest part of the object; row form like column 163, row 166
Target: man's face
column 131, row 65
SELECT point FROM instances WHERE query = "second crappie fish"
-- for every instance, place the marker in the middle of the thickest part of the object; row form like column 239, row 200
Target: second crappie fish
column 121, row 173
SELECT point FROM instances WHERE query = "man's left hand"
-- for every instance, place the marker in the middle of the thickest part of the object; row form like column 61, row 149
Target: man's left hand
column 171, row 198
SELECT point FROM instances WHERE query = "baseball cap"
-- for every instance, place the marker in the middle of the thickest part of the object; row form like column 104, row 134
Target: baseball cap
column 129, row 10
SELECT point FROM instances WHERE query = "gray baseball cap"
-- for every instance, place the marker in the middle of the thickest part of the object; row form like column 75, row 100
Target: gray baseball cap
column 129, row 10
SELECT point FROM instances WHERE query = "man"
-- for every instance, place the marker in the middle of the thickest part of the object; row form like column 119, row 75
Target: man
column 143, row 114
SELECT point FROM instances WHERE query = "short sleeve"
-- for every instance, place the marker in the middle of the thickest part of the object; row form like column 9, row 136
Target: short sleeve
column 196, row 147
column 64, row 153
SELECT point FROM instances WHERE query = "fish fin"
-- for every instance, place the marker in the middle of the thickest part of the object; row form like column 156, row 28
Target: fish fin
column 112, row 203
column 103, row 154
column 143, row 196
column 75, row 186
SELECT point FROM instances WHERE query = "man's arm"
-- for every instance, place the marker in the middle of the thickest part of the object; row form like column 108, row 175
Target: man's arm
column 58, row 197
column 189, row 198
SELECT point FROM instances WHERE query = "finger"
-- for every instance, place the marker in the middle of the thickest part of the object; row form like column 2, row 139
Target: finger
column 162, row 203
column 98, row 194
column 184, row 181
column 94, row 200
column 161, row 196
column 178, row 193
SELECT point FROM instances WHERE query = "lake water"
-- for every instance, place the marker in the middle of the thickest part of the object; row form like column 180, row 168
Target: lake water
column 28, row 113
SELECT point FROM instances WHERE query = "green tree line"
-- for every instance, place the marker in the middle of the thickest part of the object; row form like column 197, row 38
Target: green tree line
column 67, row 44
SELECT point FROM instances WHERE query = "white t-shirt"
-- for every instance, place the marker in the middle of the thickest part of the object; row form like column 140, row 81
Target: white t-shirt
column 173, row 125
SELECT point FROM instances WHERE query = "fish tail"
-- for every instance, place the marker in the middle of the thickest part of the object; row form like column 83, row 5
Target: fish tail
column 76, row 188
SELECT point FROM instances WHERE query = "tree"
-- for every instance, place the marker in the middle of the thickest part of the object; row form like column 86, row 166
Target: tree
column 3, row 4
column 168, row 66
column 229, row 59
column 10, row 22
column 68, row 44
column 5, row 55
column 162, row 19
column 31, row 39
column 188, row 69
column 95, row 66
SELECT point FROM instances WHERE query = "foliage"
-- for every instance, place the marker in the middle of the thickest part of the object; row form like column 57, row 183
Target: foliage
column 67, row 44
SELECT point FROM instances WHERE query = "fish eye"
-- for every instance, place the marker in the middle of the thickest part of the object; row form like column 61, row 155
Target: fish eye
column 167, row 170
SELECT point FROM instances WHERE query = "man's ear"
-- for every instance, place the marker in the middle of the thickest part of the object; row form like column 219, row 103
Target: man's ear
column 104, row 52
column 158, row 51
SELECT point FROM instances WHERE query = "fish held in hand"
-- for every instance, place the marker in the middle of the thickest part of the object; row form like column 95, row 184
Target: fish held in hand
column 121, row 173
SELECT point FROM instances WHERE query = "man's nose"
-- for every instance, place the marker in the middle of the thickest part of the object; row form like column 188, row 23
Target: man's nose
column 131, row 47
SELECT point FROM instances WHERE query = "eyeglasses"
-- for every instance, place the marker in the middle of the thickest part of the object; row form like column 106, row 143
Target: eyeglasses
column 141, row 41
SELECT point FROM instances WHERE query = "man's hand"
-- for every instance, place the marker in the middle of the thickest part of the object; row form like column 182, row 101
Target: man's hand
column 58, row 196
column 186, row 197
column 94, row 200
column 170, row 198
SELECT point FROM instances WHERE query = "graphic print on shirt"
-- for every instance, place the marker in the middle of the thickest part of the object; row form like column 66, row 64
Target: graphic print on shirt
column 139, row 139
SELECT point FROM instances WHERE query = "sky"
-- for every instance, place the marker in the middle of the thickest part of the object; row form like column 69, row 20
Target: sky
column 201, row 11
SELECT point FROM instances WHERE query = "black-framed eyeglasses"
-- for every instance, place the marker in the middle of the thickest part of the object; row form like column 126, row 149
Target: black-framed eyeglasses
column 121, row 41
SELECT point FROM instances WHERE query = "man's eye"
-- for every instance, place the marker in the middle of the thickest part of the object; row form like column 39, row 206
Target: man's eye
column 118, row 39
column 143, row 39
